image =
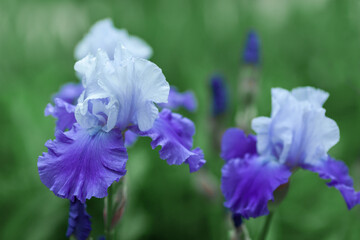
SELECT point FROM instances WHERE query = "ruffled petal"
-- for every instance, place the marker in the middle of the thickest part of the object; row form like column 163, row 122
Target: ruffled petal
column 317, row 97
column 235, row 144
column 248, row 184
column 338, row 174
column 79, row 165
column 174, row 134
column 104, row 35
column 79, row 223
column 130, row 138
column 196, row 161
column 176, row 100
column 125, row 90
column 69, row 92
column 63, row 112
column 298, row 131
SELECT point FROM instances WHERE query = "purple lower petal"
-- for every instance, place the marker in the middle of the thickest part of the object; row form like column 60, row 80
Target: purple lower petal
column 79, row 165
column 69, row 92
column 248, row 184
column 235, row 144
column 63, row 112
column 79, row 223
column 174, row 134
column 196, row 161
column 130, row 138
column 176, row 100
column 338, row 174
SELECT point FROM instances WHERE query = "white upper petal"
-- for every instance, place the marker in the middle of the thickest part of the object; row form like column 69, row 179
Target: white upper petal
column 105, row 36
column 298, row 130
column 317, row 97
column 120, row 92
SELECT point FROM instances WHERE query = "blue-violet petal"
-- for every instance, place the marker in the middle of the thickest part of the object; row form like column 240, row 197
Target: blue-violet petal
column 176, row 100
column 63, row 112
column 79, row 223
column 248, row 184
column 338, row 174
column 235, row 144
column 174, row 134
column 69, row 92
column 79, row 165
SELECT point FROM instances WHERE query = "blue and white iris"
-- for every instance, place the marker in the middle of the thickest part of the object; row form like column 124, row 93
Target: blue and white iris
column 296, row 135
column 118, row 96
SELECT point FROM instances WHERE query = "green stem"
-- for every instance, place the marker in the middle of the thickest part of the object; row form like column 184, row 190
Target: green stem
column 109, row 214
column 266, row 226
column 242, row 233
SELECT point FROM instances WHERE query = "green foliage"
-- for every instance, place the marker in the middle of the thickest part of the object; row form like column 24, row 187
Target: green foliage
column 303, row 43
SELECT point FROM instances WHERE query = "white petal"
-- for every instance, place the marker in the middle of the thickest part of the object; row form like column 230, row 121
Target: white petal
column 146, row 116
column 120, row 92
column 317, row 97
column 85, row 68
column 152, row 82
column 298, row 130
column 104, row 35
column 261, row 126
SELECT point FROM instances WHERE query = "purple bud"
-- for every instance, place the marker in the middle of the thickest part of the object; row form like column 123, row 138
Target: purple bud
column 251, row 53
column 219, row 95
column 79, row 221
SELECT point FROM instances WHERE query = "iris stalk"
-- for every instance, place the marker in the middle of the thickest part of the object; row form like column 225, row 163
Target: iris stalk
column 266, row 227
column 108, row 232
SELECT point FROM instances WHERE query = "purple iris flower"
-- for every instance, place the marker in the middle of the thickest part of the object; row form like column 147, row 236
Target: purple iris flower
column 79, row 221
column 119, row 94
column 117, row 98
column 251, row 53
column 219, row 95
column 297, row 135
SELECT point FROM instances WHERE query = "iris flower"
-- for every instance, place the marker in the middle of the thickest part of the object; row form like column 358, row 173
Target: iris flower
column 117, row 99
column 296, row 135
column 104, row 35
column 118, row 95
column 89, row 153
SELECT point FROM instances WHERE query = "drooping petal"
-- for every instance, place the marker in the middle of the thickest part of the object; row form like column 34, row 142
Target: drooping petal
column 130, row 138
column 219, row 94
column 79, row 223
column 235, row 144
column 196, row 161
column 298, row 131
column 63, row 112
column 69, row 92
column 79, row 165
column 105, row 36
column 252, row 49
column 248, row 184
column 338, row 174
column 176, row 100
column 174, row 134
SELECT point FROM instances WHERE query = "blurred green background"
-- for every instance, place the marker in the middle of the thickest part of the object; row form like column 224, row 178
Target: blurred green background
column 304, row 42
